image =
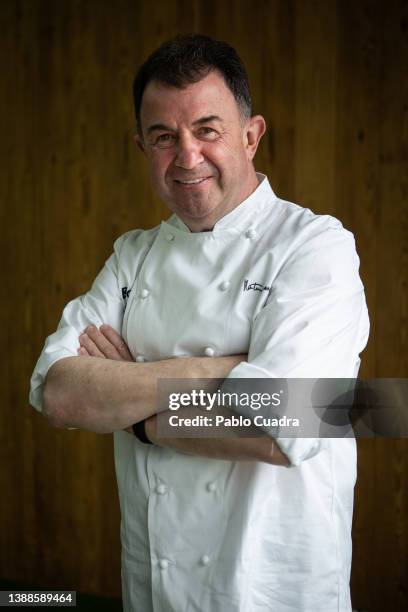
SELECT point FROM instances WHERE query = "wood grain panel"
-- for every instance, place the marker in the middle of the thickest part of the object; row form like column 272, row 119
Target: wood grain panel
column 315, row 104
column 331, row 80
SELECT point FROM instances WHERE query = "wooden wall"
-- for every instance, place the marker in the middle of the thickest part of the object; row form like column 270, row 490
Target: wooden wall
column 331, row 80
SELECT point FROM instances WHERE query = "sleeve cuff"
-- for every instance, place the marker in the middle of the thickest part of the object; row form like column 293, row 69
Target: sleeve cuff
column 63, row 343
column 297, row 450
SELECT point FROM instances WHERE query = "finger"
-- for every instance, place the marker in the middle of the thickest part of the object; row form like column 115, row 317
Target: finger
column 82, row 351
column 102, row 343
column 86, row 342
column 117, row 341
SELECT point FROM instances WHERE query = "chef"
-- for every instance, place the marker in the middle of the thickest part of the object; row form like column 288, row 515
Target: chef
column 237, row 283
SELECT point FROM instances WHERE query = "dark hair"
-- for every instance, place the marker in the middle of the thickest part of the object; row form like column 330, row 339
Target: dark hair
column 186, row 59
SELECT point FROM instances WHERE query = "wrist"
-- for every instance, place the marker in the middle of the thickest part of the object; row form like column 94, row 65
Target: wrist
column 150, row 428
column 139, row 430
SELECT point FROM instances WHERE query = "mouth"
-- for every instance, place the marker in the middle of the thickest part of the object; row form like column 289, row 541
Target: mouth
column 192, row 182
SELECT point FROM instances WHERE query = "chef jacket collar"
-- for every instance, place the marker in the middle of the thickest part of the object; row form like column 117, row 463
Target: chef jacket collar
column 240, row 217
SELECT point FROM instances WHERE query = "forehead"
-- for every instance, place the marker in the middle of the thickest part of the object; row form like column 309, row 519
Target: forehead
column 209, row 96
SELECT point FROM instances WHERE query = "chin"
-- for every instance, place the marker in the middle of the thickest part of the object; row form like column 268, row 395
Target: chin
column 194, row 211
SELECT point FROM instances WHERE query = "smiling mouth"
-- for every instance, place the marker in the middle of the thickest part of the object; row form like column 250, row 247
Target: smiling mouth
column 197, row 181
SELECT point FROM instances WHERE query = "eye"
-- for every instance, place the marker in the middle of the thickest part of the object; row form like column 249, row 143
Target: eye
column 163, row 138
column 164, row 141
column 208, row 133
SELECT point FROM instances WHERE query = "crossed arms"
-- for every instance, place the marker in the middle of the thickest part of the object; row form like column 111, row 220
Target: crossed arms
column 315, row 325
column 103, row 391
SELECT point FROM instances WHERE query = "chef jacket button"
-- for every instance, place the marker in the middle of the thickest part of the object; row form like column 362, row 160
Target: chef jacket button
column 164, row 564
column 251, row 234
column 225, row 285
column 205, row 559
column 144, row 293
column 140, row 358
column 211, row 486
column 209, row 351
column 161, row 489
column 170, row 237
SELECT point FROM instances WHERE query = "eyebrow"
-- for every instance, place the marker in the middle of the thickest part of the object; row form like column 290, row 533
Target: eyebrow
column 207, row 119
column 161, row 126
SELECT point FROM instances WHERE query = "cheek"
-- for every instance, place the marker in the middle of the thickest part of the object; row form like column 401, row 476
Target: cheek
column 158, row 167
column 228, row 156
column 227, row 169
column 218, row 160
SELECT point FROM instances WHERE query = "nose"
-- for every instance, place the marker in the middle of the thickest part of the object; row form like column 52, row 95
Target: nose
column 189, row 153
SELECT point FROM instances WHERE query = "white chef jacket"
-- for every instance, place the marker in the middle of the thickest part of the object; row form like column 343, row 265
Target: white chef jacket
column 208, row 535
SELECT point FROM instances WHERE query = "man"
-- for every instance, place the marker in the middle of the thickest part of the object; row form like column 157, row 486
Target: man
column 215, row 525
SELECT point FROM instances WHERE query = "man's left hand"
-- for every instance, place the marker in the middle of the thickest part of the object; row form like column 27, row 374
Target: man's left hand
column 104, row 343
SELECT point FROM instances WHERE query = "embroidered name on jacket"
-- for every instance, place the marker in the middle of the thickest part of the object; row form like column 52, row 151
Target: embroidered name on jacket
column 254, row 286
column 125, row 293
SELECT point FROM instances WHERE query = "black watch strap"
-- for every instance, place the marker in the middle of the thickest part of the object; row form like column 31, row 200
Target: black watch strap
column 140, row 432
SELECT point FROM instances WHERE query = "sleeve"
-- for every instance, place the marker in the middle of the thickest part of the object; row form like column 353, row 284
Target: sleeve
column 314, row 323
column 103, row 303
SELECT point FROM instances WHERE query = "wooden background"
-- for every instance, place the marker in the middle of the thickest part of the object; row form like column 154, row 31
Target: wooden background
column 331, row 80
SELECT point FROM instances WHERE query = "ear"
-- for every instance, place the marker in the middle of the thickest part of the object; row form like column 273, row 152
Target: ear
column 254, row 131
column 139, row 142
